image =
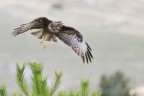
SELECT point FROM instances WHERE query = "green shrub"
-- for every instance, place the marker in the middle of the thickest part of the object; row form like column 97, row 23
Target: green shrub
column 39, row 86
column 114, row 85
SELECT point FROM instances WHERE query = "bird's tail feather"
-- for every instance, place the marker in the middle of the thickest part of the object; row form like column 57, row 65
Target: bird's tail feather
column 38, row 34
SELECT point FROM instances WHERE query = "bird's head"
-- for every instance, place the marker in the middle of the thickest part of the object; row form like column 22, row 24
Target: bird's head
column 41, row 22
column 55, row 26
column 58, row 24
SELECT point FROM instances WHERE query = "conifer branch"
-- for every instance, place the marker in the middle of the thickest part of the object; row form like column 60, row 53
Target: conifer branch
column 57, row 82
column 20, row 79
column 37, row 78
column 45, row 88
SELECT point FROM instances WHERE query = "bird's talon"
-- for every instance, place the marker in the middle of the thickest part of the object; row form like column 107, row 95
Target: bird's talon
column 42, row 40
column 45, row 45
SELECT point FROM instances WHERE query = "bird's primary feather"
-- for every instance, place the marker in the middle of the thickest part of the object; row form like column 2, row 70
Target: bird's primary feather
column 23, row 28
column 38, row 23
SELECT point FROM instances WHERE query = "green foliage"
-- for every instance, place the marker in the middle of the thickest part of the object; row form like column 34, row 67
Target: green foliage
column 20, row 78
column 39, row 86
column 114, row 85
column 3, row 91
column 57, row 82
column 84, row 87
column 96, row 93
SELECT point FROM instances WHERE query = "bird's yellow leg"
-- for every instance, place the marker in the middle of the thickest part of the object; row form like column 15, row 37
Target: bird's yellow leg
column 45, row 45
column 42, row 40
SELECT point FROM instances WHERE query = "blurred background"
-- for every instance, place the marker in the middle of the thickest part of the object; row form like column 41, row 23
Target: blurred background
column 113, row 28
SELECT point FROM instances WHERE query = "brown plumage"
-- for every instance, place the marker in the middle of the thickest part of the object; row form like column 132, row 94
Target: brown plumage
column 51, row 30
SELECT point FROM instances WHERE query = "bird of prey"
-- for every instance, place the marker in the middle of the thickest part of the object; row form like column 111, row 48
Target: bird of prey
column 49, row 30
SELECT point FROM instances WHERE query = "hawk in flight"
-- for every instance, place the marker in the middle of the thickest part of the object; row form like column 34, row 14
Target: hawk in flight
column 51, row 30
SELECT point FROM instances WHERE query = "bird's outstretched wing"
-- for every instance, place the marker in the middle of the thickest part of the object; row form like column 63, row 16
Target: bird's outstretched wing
column 23, row 28
column 74, row 39
column 37, row 23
